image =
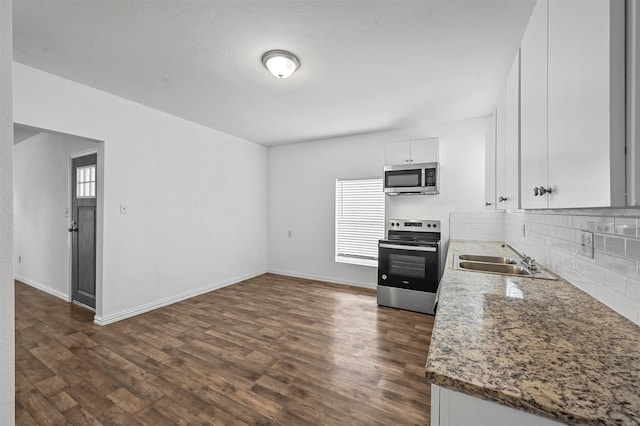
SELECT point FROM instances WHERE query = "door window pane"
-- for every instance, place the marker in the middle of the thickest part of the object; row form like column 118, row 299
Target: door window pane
column 86, row 181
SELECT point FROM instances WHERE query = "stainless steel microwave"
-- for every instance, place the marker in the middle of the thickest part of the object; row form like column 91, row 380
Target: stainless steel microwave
column 407, row 179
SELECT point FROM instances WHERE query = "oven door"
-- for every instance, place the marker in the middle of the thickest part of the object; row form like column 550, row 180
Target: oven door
column 412, row 267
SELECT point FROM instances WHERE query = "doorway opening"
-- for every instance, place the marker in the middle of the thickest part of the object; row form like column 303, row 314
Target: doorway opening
column 58, row 202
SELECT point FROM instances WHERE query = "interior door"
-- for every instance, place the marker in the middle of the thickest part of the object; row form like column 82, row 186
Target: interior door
column 83, row 229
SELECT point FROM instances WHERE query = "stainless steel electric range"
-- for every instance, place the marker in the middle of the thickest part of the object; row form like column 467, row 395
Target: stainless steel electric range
column 409, row 265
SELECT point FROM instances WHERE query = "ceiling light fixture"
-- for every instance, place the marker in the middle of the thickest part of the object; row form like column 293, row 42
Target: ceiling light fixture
column 280, row 63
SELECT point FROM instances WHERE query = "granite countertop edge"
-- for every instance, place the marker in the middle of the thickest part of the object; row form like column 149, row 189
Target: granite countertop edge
column 482, row 381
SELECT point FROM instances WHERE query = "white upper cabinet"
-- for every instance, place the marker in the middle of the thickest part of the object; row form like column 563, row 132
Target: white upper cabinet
column 584, row 108
column 416, row 151
column 533, row 108
column 508, row 141
column 490, row 166
column 512, row 135
column 501, row 142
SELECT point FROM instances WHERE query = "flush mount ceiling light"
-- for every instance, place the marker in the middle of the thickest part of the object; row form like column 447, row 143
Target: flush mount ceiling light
column 280, row 63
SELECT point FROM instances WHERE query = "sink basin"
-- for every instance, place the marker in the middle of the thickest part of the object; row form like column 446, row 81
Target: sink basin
column 489, row 259
column 496, row 268
column 498, row 265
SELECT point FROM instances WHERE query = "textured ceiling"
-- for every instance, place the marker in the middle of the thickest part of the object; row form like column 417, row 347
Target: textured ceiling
column 366, row 65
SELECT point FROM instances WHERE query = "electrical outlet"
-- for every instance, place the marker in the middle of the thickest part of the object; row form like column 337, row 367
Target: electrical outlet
column 586, row 244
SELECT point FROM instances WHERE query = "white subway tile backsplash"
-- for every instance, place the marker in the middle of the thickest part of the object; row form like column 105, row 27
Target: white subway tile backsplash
column 553, row 237
column 626, row 267
column 604, row 294
column 484, row 226
column 614, row 245
column 604, row 224
column 633, row 248
column 626, row 307
column 632, row 290
column 615, row 282
column 626, row 226
column 604, row 260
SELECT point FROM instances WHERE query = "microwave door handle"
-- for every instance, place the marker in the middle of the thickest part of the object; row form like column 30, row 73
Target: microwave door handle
column 411, row 248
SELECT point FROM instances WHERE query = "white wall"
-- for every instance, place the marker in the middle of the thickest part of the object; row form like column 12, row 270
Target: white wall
column 7, row 341
column 302, row 193
column 41, row 196
column 197, row 198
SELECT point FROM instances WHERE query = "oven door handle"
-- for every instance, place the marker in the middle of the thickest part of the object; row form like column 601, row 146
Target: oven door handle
column 411, row 248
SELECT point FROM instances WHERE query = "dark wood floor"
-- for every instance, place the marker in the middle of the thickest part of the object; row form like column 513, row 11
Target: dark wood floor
column 270, row 350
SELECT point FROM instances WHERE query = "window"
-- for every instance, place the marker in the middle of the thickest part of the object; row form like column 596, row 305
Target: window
column 86, row 181
column 359, row 220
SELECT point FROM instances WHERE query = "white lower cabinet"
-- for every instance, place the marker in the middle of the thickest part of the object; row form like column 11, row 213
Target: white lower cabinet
column 452, row 408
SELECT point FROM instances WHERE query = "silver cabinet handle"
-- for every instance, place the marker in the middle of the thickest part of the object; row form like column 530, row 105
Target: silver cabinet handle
column 487, row 204
column 501, row 199
column 541, row 190
column 544, row 190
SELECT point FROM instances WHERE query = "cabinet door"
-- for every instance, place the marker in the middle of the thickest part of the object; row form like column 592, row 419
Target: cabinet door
column 586, row 103
column 501, row 150
column 533, row 108
column 425, row 150
column 512, row 136
column 490, row 165
column 397, row 153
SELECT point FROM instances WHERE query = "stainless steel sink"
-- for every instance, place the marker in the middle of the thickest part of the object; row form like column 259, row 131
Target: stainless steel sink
column 496, row 268
column 499, row 265
column 489, row 259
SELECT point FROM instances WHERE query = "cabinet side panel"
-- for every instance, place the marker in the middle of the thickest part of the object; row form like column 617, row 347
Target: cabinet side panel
column 633, row 103
column 617, row 88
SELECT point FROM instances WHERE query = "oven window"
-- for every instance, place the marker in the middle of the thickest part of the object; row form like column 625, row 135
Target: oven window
column 407, row 266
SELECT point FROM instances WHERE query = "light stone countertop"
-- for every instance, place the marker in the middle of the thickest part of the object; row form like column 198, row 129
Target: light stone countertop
column 537, row 345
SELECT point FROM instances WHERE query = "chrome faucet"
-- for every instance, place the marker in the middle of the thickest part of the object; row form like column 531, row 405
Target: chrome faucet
column 529, row 262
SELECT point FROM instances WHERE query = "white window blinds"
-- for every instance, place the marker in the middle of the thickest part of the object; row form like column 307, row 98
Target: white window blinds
column 359, row 220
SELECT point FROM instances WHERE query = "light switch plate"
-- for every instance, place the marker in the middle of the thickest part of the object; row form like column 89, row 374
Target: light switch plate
column 124, row 209
column 586, row 244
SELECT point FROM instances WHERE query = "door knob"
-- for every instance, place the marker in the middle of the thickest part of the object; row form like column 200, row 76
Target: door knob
column 501, row 199
column 74, row 226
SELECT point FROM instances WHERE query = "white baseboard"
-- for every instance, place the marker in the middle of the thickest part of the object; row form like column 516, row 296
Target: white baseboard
column 42, row 287
column 332, row 280
column 109, row 319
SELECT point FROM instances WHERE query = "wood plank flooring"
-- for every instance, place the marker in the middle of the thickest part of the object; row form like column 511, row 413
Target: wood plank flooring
column 270, row 350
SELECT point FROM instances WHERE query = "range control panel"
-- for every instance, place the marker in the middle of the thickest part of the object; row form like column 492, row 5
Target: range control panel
column 414, row 225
